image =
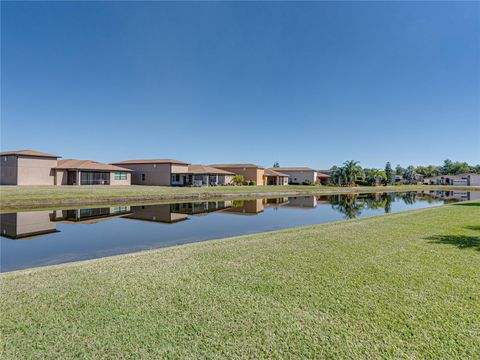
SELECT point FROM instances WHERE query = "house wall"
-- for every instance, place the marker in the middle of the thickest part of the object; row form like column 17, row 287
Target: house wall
column 120, row 182
column 61, row 177
column 248, row 173
column 474, row 180
column 155, row 174
column 300, row 177
column 24, row 223
column 36, row 170
column 8, row 170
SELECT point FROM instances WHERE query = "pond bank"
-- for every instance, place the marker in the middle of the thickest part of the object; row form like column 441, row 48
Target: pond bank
column 35, row 197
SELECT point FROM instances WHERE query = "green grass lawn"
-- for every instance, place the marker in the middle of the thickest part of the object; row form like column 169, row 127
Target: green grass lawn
column 38, row 196
column 403, row 285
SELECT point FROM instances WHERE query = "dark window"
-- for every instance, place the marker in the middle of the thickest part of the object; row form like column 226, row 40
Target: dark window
column 143, row 177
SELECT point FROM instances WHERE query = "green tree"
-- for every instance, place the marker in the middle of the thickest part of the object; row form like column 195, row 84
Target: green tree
column 350, row 171
column 238, row 180
column 410, row 174
column 399, row 170
column 276, row 164
column 388, row 173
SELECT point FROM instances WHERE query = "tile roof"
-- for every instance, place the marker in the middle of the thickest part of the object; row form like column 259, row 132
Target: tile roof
column 236, row 166
column 299, row 168
column 151, row 161
column 29, row 153
column 87, row 165
column 203, row 169
column 273, row 172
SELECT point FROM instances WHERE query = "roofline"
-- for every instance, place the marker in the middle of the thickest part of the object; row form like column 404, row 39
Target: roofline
column 146, row 161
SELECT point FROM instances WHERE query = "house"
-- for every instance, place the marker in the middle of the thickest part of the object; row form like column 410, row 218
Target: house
column 27, row 167
column 273, row 177
column 88, row 172
column 26, row 225
column 250, row 172
column 299, row 175
column 30, row 167
column 471, row 179
column 323, row 178
column 170, row 172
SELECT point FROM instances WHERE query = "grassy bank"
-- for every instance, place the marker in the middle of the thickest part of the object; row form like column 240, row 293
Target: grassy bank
column 404, row 285
column 40, row 196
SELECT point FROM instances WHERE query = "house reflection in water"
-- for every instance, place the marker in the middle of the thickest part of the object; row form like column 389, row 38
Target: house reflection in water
column 173, row 213
column 27, row 225
column 303, row 202
column 456, row 195
column 246, row 207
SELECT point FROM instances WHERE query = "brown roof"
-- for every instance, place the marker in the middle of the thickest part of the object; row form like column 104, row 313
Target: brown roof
column 319, row 174
column 236, row 166
column 29, row 153
column 87, row 165
column 151, row 161
column 300, row 168
column 203, row 169
column 273, row 172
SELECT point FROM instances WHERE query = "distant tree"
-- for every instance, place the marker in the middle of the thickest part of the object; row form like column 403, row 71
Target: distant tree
column 276, row 164
column 447, row 167
column 410, row 174
column 238, row 180
column 399, row 170
column 388, row 173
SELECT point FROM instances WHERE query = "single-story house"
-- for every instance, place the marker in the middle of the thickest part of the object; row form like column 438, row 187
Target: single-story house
column 471, row 179
column 30, row 167
column 273, row 177
column 88, row 172
column 323, row 178
column 170, row 172
column 250, row 172
column 299, row 175
column 27, row 167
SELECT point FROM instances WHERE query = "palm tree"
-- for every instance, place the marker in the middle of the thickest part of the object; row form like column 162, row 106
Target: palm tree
column 350, row 171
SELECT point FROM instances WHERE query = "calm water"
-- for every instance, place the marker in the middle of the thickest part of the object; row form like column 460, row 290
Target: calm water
column 38, row 238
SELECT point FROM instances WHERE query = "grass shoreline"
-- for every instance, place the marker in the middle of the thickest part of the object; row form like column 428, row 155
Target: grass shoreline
column 37, row 197
column 405, row 284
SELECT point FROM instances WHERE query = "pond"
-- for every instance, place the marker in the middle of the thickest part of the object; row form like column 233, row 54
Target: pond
column 39, row 238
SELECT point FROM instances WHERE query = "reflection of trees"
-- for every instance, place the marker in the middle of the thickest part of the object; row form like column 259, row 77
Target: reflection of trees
column 409, row 198
column 347, row 205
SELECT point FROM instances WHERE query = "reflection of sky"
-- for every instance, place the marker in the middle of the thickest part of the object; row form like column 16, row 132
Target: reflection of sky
column 77, row 241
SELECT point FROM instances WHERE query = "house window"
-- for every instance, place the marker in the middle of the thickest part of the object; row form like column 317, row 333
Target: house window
column 175, row 178
column 4, row 158
column 120, row 175
column 143, row 177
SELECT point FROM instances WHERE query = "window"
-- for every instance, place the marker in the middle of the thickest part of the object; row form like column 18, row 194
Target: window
column 143, row 177
column 120, row 175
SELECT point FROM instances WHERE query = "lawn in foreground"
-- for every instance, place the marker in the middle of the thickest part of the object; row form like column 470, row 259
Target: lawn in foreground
column 399, row 285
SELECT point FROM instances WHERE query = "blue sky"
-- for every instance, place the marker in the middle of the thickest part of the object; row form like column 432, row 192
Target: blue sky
column 300, row 83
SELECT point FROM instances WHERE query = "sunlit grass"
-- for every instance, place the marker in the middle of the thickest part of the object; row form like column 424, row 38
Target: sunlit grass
column 403, row 285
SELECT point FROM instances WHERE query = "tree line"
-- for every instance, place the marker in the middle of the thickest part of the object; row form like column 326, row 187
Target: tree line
column 352, row 173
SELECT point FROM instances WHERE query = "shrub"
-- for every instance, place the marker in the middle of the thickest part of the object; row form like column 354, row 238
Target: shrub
column 238, row 180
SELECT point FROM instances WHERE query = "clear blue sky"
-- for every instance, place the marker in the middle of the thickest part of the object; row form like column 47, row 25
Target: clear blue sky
column 300, row 83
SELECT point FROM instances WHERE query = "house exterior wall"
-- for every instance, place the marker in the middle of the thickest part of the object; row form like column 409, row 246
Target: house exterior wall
column 61, row 177
column 248, row 173
column 24, row 223
column 155, row 174
column 474, row 180
column 301, row 177
column 8, row 170
column 128, row 181
column 36, row 171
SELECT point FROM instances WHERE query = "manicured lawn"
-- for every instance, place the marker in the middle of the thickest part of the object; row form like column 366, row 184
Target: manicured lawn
column 403, row 285
column 37, row 196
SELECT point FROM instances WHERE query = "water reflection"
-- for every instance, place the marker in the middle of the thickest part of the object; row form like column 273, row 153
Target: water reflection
column 69, row 235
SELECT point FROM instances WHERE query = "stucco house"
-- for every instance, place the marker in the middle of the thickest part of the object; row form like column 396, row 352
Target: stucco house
column 27, row 167
column 250, row 172
column 299, row 175
column 471, row 179
column 88, row 172
column 30, row 167
column 274, row 177
column 170, row 172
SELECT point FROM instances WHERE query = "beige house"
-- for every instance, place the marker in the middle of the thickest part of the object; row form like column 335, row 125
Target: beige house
column 273, row 177
column 27, row 167
column 27, row 225
column 456, row 180
column 169, row 172
column 250, row 172
column 299, row 175
column 88, row 172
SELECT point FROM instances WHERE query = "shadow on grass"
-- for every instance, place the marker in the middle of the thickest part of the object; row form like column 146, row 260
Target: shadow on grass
column 467, row 204
column 460, row 241
column 473, row 227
